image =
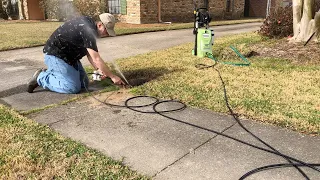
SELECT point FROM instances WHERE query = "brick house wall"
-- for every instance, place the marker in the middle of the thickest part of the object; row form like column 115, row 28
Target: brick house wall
column 236, row 10
column 258, row 8
column 146, row 11
column 177, row 10
column 149, row 11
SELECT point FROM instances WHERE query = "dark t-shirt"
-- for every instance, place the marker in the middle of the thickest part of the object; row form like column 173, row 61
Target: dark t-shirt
column 70, row 40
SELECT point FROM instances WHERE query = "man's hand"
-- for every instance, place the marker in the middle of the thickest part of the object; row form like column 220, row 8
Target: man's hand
column 115, row 79
column 97, row 62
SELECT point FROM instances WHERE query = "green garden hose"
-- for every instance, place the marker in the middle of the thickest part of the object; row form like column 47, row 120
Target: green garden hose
column 247, row 63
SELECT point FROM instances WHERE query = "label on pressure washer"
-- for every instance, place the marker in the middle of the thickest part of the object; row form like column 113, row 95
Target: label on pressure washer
column 204, row 42
column 206, row 35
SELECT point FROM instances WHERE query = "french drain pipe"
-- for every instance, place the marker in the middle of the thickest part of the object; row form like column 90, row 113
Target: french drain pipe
column 159, row 13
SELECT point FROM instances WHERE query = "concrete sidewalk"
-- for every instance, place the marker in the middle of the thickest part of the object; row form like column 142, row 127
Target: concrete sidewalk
column 150, row 143
column 167, row 149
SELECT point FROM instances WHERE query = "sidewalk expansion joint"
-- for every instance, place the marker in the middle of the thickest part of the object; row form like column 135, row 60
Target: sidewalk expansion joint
column 192, row 151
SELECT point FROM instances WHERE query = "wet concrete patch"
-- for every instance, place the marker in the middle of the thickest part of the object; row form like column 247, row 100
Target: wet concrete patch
column 28, row 101
column 14, row 76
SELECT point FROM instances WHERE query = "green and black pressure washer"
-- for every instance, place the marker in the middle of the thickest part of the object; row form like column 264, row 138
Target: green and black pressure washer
column 203, row 34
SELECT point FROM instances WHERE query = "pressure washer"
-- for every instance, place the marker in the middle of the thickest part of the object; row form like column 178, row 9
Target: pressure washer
column 203, row 34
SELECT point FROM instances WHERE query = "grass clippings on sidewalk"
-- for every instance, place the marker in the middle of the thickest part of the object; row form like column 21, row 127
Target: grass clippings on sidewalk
column 31, row 151
column 21, row 34
column 272, row 90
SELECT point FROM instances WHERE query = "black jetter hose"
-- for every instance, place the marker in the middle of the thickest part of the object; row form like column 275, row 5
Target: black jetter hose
column 243, row 127
column 157, row 102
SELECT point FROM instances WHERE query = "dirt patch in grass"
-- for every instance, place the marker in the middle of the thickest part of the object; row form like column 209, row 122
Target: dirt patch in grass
column 115, row 97
column 297, row 53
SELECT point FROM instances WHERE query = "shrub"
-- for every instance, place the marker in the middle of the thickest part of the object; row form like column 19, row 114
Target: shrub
column 65, row 9
column 279, row 23
column 90, row 8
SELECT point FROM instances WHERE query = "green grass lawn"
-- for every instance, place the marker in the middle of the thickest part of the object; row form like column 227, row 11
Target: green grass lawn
column 271, row 90
column 29, row 34
column 32, row 151
column 15, row 35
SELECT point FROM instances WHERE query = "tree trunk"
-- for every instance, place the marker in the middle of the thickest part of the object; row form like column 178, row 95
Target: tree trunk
column 20, row 9
column 297, row 13
column 317, row 26
column 303, row 23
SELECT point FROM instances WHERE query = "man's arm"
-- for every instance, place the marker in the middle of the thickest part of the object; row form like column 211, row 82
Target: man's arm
column 98, row 63
column 91, row 62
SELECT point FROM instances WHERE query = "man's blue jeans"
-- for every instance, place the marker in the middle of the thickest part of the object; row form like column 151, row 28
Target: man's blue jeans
column 61, row 77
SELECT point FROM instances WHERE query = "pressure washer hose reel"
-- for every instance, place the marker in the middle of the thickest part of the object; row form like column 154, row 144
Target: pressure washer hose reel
column 203, row 34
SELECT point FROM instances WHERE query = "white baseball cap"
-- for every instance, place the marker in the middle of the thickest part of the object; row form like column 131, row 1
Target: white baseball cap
column 109, row 22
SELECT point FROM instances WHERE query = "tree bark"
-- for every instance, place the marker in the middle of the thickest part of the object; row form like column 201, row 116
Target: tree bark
column 317, row 26
column 20, row 9
column 297, row 13
column 304, row 24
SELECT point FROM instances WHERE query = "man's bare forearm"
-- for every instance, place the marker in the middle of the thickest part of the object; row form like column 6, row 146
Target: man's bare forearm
column 103, row 67
column 91, row 62
column 96, row 61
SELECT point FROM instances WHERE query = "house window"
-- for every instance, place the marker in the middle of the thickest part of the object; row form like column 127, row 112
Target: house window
column 114, row 6
column 117, row 6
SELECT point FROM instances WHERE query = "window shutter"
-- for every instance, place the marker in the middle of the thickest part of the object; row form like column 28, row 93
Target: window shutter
column 123, row 4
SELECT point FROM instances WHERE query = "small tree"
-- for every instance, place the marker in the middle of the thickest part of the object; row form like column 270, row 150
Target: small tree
column 306, row 21
column 65, row 9
column 89, row 8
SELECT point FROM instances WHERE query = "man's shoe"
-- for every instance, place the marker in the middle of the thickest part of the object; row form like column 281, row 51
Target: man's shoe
column 32, row 84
